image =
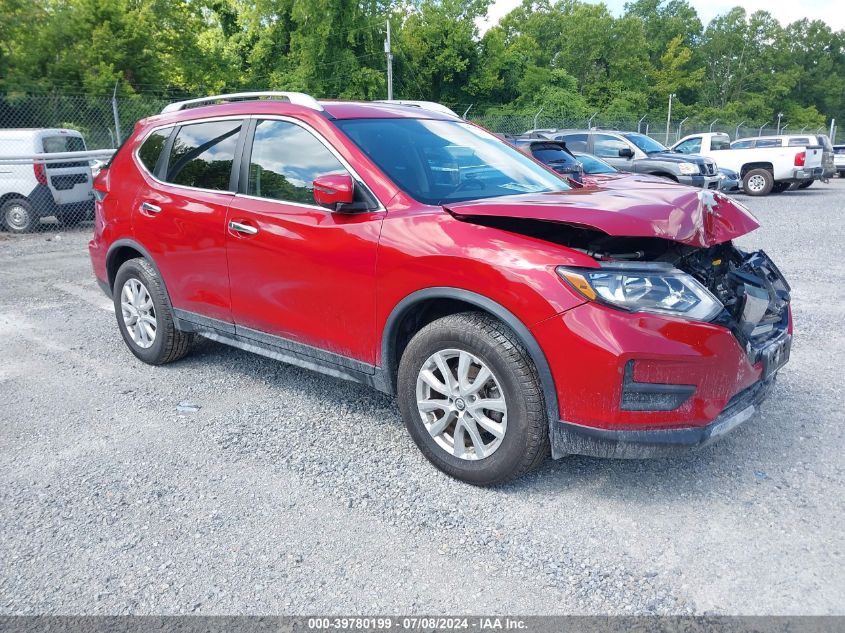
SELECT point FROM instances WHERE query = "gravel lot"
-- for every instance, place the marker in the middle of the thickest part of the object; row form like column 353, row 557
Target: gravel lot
column 289, row 492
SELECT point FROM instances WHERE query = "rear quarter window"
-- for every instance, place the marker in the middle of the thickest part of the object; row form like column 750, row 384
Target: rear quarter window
column 799, row 142
column 150, row 150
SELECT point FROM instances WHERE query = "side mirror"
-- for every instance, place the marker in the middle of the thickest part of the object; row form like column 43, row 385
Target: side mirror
column 626, row 152
column 334, row 191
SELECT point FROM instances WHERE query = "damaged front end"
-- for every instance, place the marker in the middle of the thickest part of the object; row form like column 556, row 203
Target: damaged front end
column 755, row 298
column 681, row 333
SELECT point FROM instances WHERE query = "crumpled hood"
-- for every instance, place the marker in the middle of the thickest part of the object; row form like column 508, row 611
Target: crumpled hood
column 631, row 207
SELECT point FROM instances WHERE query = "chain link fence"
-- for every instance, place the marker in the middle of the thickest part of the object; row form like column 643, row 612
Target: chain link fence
column 51, row 146
column 41, row 187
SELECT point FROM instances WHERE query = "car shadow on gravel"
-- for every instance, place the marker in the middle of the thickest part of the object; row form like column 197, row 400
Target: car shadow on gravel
column 750, row 454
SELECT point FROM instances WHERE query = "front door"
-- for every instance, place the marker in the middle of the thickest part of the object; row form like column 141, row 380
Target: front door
column 297, row 270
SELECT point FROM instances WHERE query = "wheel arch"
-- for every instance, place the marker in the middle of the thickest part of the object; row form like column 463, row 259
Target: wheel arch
column 13, row 196
column 663, row 174
column 759, row 165
column 122, row 251
column 424, row 306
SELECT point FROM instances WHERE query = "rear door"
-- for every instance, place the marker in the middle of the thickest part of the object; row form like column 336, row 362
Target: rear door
column 69, row 181
column 179, row 212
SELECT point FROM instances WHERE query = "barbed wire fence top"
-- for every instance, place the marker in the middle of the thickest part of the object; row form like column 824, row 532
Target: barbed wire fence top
column 104, row 121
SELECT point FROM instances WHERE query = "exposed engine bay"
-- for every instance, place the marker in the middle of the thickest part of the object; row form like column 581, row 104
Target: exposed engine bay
column 752, row 290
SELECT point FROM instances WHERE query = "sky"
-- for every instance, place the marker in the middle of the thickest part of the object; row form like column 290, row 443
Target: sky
column 786, row 11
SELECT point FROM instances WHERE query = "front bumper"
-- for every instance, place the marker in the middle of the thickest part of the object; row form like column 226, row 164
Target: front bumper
column 729, row 185
column 702, row 182
column 574, row 439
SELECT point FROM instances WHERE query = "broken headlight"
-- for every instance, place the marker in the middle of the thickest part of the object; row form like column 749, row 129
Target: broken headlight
column 655, row 287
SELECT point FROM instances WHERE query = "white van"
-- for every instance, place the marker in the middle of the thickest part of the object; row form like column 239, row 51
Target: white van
column 31, row 191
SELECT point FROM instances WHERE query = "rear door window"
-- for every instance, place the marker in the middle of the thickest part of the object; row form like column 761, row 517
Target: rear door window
column 203, row 154
column 769, row 142
column 150, row 150
column 742, row 144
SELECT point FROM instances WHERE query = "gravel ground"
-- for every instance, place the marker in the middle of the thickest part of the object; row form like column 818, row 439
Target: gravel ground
column 289, row 492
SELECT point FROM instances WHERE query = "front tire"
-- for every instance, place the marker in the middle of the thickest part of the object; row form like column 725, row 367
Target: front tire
column 18, row 216
column 145, row 316
column 758, row 182
column 471, row 399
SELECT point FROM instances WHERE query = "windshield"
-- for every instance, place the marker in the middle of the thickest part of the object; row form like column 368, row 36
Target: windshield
column 593, row 165
column 645, row 143
column 437, row 162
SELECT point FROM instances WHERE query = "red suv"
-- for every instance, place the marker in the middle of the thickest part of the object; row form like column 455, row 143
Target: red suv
column 419, row 254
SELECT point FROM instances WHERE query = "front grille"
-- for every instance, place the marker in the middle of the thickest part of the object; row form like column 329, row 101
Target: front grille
column 708, row 169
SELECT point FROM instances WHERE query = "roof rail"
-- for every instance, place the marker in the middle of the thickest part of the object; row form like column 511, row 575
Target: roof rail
column 296, row 98
column 424, row 105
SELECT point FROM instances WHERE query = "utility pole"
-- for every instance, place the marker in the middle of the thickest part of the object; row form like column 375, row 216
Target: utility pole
column 669, row 116
column 114, row 112
column 389, row 63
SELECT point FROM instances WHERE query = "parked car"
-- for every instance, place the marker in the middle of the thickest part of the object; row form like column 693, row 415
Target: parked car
column 765, row 165
column 638, row 153
column 839, row 159
column 30, row 190
column 551, row 153
column 796, row 140
column 416, row 253
column 731, row 181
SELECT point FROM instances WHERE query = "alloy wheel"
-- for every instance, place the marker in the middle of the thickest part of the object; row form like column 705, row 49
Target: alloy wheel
column 461, row 404
column 138, row 313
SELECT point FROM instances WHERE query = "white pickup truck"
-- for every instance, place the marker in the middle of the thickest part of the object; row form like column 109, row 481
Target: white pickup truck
column 763, row 169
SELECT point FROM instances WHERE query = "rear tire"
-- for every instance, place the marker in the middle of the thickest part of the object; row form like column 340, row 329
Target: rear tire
column 481, row 445
column 18, row 216
column 758, row 182
column 145, row 316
